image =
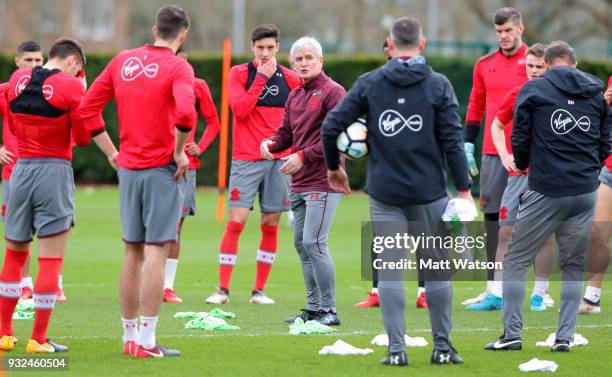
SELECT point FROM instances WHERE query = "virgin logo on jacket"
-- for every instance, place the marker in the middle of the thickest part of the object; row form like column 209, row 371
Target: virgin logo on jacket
column 562, row 122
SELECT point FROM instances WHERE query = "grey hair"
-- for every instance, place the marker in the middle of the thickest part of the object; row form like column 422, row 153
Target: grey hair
column 303, row 43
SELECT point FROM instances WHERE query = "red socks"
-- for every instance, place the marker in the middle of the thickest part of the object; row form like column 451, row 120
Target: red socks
column 10, row 289
column 265, row 255
column 228, row 253
column 45, row 290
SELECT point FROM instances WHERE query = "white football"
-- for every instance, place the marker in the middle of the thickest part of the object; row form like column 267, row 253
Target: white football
column 353, row 142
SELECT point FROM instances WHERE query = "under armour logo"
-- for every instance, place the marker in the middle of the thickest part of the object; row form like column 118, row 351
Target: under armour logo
column 271, row 90
column 445, row 357
column 394, row 359
column 391, row 123
column 562, row 122
column 133, row 68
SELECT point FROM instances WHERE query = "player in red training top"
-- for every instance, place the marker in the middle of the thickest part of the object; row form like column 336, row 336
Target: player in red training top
column 153, row 89
column 517, row 185
column 495, row 74
column 43, row 110
column 599, row 252
column 29, row 55
column 206, row 108
column 258, row 91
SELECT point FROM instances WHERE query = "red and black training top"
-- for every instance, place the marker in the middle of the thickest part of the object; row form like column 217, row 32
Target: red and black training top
column 258, row 106
column 495, row 74
column 43, row 112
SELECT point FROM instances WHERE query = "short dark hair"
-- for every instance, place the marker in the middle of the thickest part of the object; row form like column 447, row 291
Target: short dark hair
column 560, row 50
column 170, row 21
column 265, row 31
column 65, row 47
column 508, row 14
column 537, row 50
column 406, row 32
column 28, row 46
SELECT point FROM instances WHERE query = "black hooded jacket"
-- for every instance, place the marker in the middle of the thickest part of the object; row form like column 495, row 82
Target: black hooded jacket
column 562, row 132
column 412, row 126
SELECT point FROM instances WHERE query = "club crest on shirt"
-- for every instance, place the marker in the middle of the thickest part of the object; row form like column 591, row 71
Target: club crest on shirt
column 133, row 68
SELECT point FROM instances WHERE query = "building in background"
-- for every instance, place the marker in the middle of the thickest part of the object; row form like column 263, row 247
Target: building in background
column 452, row 27
column 101, row 25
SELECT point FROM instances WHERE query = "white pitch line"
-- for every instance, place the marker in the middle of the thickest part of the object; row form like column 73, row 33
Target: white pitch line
column 349, row 333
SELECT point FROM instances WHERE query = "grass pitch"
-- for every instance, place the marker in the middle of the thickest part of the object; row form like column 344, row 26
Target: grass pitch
column 89, row 323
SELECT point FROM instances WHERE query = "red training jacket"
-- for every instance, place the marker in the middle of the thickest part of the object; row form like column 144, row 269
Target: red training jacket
column 494, row 75
column 154, row 91
column 207, row 109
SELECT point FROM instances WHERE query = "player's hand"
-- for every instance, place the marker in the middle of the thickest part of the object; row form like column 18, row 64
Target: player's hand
column 507, row 161
column 608, row 95
column 182, row 164
column 264, row 149
column 292, row 164
column 83, row 80
column 193, row 149
column 469, row 153
column 467, row 195
column 268, row 68
column 338, row 180
column 6, row 156
column 112, row 160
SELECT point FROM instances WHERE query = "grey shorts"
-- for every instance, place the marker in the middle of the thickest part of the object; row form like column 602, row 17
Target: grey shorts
column 251, row 177
column 42, row 199
column 493, row 179
column 189, row 205
column 508, row 211
column 5, row 198
column 150, row 202
column 605, row 176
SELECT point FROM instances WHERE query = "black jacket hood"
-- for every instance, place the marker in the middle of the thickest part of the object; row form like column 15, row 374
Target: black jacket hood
column 402, row 73
column 573, row 82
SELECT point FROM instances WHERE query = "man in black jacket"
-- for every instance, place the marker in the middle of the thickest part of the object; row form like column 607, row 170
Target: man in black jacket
column 412, row 126
column 562, row 132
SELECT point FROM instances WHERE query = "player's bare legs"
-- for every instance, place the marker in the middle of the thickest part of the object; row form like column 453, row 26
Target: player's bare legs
column 599, row 254
column 152, row 279
column 169, row 295
column 130, row 279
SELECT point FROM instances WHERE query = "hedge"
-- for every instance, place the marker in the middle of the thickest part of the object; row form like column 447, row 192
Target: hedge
column 90, row 165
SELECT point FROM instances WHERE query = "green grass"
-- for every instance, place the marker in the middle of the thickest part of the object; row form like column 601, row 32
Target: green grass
column 90, row 321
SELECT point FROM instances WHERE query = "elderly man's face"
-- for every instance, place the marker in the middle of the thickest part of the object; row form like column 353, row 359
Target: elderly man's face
column 306, row 63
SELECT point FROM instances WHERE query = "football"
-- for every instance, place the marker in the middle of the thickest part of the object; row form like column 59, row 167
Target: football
column 353, row 142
